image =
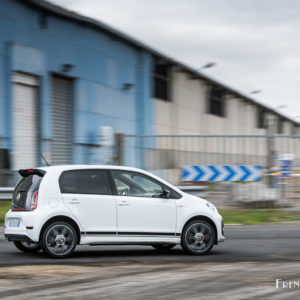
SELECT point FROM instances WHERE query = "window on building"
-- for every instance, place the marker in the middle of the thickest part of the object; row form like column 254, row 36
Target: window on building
column 261, row 118
column 294, row 129
column 216, row 101
column 4, row 159
column 162, row 81
column 279, row 125
column 43, row 21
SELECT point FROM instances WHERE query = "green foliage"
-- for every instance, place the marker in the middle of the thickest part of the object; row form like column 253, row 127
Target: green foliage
column 231, row 216
column 258, row 216
column 4, row 208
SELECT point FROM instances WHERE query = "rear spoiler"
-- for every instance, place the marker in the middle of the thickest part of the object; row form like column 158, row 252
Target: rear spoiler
column 27, row 172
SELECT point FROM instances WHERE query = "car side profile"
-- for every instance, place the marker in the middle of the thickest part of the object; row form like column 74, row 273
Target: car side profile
column 56, row 208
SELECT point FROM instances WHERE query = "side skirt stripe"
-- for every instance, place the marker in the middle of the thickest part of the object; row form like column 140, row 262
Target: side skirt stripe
column 130, row 233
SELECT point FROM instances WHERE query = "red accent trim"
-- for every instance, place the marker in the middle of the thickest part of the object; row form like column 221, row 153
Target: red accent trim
column 29, row 227
column 19, row 209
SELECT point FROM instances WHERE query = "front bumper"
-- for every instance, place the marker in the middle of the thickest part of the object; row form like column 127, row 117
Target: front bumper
column 221, row 237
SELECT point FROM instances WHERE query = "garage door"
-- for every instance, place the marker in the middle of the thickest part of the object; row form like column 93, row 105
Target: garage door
column 62, row 109
column 25, row 121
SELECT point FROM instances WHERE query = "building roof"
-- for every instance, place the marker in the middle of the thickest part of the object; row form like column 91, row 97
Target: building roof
column 59, row 11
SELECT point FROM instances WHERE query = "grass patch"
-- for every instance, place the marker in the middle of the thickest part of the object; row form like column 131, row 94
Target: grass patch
column 258, row 216
column 4, row 208
column 231, row 216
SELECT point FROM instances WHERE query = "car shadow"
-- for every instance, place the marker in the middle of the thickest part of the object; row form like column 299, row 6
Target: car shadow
column 102, row 255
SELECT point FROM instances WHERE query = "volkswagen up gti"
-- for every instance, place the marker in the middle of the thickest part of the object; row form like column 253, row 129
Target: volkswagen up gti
column 57, row 208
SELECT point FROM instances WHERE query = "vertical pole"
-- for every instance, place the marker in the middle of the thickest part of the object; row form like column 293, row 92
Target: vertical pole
column 270, row 147
column 119, row 148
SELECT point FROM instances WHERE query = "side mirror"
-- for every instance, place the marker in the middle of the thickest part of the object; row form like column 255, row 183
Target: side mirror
column 165, row 194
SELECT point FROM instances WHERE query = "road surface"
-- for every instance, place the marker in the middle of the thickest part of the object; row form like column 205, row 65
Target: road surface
column 245, row 266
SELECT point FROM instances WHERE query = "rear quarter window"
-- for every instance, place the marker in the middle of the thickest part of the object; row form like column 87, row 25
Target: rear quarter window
column 85, row 182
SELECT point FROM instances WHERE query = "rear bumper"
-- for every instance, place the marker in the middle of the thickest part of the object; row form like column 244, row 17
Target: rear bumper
column 17, row 238
column 22, row 232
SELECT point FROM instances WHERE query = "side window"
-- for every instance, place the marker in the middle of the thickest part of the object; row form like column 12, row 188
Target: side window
column 138, row 185
column 85, row 182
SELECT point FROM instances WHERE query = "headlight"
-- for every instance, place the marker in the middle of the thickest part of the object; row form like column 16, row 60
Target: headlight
column 211, row 206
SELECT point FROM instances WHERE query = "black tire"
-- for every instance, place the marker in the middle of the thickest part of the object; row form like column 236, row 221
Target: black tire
column 59, row 240
column 163, row 247
column 28, row 247
column 198, row 237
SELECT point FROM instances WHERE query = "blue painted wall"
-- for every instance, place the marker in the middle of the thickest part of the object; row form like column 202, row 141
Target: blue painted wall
column 101, row 67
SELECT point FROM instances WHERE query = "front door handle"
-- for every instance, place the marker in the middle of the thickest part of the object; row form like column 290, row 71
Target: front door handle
column 123, row 203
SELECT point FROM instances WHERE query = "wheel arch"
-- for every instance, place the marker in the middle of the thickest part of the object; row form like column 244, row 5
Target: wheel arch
column 204, row 218
column 63, row 219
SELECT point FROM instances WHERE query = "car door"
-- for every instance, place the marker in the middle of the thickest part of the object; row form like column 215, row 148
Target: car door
column 141, row 209
column 88, row 195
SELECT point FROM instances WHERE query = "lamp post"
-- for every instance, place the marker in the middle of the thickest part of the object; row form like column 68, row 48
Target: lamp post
column 280, row 107
column 255, row 92
column 208, row 65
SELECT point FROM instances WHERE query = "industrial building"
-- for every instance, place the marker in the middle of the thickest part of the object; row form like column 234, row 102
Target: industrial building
column 63, row 76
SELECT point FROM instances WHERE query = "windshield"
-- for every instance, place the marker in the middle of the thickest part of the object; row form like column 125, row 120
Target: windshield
column 22, row 197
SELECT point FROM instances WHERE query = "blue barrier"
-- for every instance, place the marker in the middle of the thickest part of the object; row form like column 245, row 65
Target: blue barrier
column 221, row 173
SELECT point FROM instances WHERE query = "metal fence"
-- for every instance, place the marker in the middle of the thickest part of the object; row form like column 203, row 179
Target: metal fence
column 174, row 151
column 164, row 155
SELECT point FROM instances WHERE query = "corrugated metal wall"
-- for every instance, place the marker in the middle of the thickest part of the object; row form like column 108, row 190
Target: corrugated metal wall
column 62, row 120
column 25, row 121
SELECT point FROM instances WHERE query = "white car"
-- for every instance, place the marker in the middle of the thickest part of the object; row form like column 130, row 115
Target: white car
column 58, row 207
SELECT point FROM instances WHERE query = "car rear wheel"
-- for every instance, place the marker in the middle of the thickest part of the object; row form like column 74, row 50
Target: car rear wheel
column 198, row 237
column 163, row 247
column 28, row 247
column 59, row 240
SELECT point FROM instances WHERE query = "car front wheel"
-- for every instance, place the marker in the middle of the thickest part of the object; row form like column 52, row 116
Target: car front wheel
column 198, row 237
column 59, row 240
column 28, row 247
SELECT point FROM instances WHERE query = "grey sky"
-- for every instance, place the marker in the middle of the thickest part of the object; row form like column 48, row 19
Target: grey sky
column 255, row 42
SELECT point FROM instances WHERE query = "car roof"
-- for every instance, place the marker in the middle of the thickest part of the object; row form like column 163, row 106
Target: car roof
column 76, row 167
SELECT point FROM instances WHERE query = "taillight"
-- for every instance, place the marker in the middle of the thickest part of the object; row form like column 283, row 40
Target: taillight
column 34, row 199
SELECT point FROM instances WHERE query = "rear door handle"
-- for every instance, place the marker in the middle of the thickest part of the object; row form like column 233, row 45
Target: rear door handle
column 74, row 201
column 123, row 203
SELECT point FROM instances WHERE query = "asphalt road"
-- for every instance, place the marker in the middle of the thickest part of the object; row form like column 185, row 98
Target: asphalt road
column 245, row 266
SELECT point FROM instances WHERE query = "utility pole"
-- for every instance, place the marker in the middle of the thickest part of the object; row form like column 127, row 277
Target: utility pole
column 271, row 130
